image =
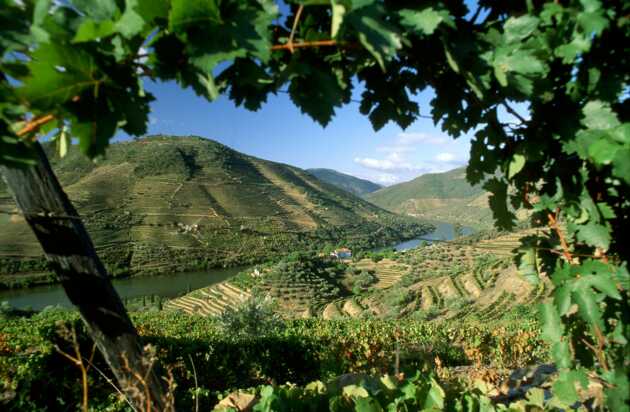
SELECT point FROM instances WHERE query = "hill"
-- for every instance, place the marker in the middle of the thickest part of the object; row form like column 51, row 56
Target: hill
column 464, row 279
column 354, row 185
column 168, row 204
column 444, row 197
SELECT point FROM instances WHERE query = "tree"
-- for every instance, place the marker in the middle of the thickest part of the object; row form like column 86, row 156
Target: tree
column 458, row 230
column 542, row 85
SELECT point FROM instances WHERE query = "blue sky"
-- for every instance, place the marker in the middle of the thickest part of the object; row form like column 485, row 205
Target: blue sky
column 280, row 132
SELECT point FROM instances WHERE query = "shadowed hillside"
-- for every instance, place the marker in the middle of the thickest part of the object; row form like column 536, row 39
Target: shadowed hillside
column 346, row 182
column 438, row 196
column 173, row 204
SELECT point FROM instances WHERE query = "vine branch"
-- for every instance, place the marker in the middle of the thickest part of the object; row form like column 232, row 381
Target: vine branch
column 35, row 124
column 306, row 44
column 553, row 223
column 295, row 23
column 513, row 112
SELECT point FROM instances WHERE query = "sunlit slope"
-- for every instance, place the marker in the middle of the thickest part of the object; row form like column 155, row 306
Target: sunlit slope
column 438, row 196
column 462, row 279
column 179, row 203
column 346, row 182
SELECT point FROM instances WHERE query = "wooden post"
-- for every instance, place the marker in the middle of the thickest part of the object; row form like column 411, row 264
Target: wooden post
column 69, row 249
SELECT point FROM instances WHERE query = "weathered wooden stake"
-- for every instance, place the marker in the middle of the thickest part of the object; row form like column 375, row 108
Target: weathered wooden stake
column 69, row 249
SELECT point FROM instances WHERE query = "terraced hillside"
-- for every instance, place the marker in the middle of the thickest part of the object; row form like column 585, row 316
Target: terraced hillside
column 165, row 204
column 446, row 197
column 211, row 301
column 300, row 285
column 354, row 185
column 387, row 271
column 451, row 280
column 446, row 280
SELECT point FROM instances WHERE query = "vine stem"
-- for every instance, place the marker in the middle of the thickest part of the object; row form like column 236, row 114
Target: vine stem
column 599, row 350
column 553, row 223
column 316, row 43
column 35, row 124
column 295, row 23
column 513, row 112
column 78, row 361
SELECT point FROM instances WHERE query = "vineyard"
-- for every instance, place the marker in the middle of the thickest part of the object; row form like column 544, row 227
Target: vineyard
column 210, row 301
column 297, row 351
column 447, row 280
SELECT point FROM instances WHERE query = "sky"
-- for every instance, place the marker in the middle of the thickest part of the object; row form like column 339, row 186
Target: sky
column 281, row 133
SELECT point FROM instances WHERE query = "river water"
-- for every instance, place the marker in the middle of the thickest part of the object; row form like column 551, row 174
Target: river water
column 443, row 231
column 167, row 286
column 172, row 285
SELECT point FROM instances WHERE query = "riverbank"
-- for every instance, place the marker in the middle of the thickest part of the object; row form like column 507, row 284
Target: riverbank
column 170, row 284
column 165, row 285
column 443, row 232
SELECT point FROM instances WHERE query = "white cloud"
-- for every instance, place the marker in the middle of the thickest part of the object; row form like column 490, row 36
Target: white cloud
column 389, row 164
column 397, row 160
column 386, row 179
column 445, row 157
column 410, row 156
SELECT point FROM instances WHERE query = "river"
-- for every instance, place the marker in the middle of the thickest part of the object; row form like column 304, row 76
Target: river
column 443, row 232
column 172, row 285
column 168, row 286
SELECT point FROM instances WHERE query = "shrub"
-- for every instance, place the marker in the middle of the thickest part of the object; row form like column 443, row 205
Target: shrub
column 254, row 317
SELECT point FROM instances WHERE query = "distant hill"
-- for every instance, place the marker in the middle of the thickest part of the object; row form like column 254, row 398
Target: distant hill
column 166, row 204
column 346, row 182
column 438, row 196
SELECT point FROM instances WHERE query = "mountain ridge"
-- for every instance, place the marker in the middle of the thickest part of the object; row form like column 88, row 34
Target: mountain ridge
column 443, row 196
column 349, row 183
column 168, row 204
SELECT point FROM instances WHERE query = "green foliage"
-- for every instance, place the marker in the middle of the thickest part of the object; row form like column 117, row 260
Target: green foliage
column 36, row 376
column 254, row 317
column 566, row 159
column 364, row 280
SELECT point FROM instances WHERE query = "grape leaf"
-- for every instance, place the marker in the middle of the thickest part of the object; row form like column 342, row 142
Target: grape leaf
column 90, row 30
column 58, row 74
column 435, row 397
column 594, row 234
column 367, row 405
column 498, row 203
column 598, row 115
column 425, row 21
column 603, row 151
column 338, row 12
column 130, row 23
column 587, row 306
column 552, row 327
column 98, row 10
column 379, row 37
column 516, row 165
column 518, row 28
column 621, row 165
